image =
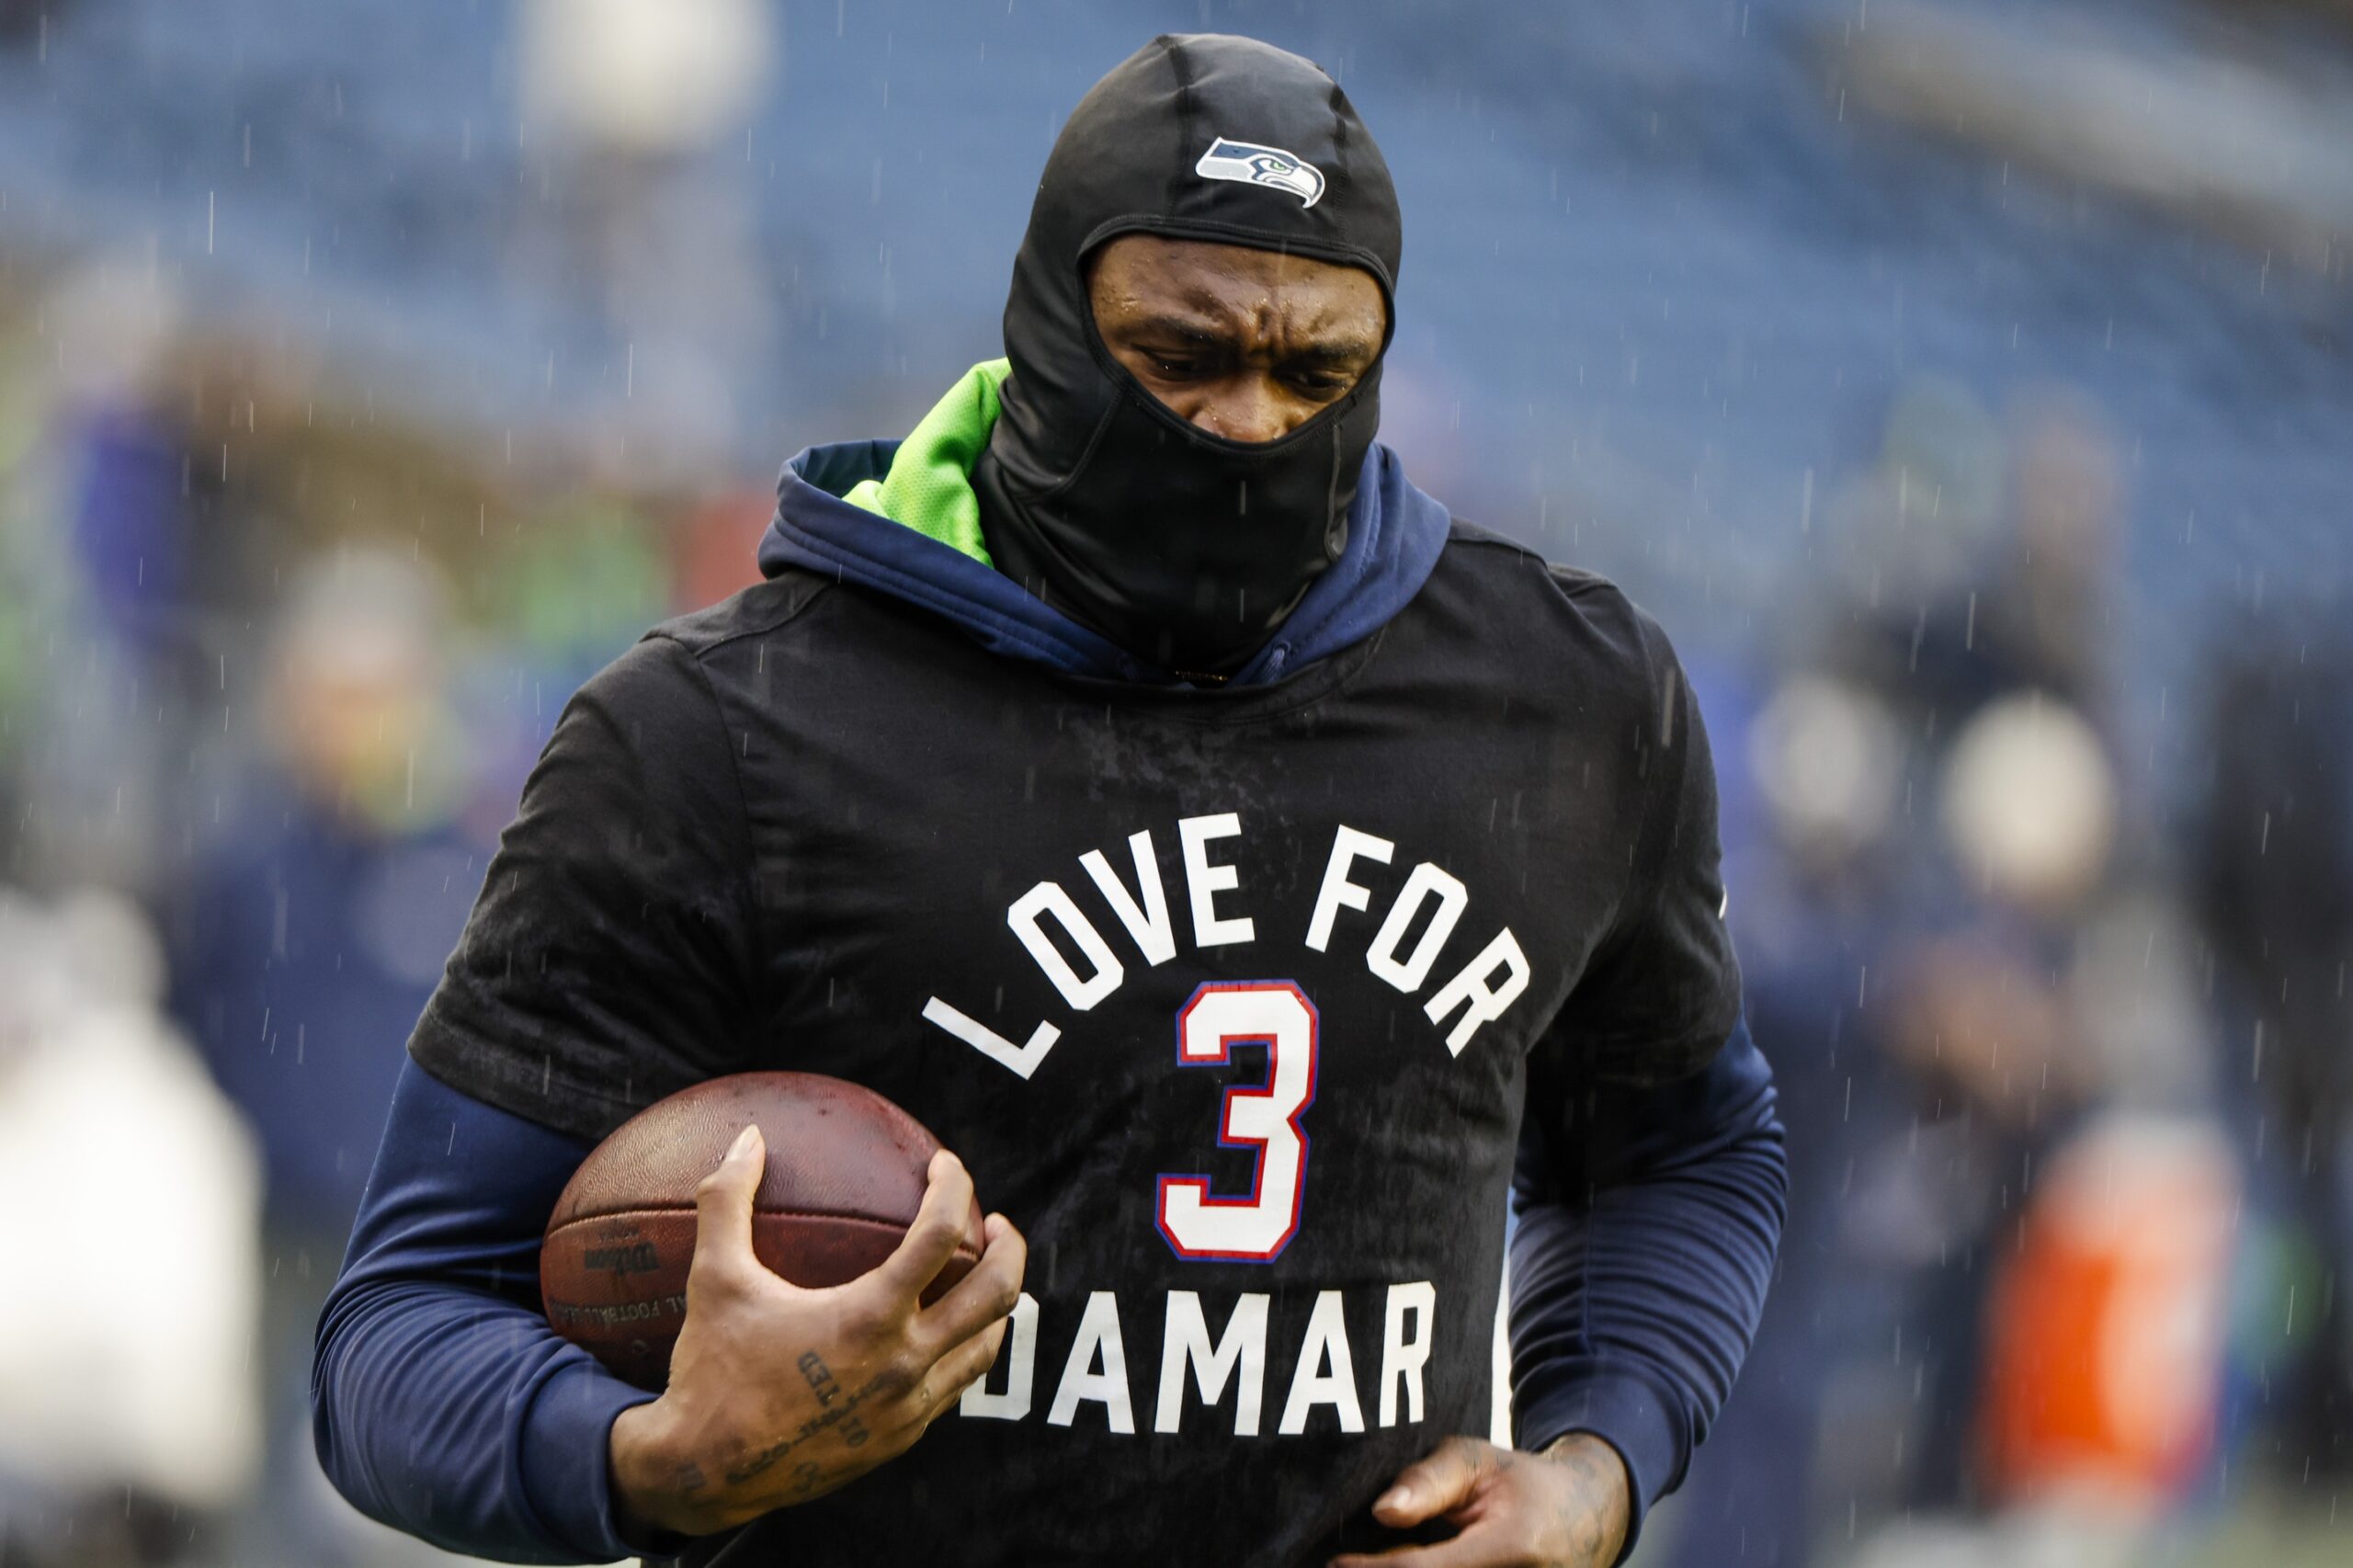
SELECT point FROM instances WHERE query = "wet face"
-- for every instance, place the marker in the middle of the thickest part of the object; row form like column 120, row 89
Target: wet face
column 1244, row 343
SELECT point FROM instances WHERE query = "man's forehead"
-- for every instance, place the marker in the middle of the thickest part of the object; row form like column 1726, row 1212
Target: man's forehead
column 1163, row 254
column 1214, row 282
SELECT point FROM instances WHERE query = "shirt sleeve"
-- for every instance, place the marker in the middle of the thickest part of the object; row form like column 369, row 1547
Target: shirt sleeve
column 441, row 1401
column 610, row 958
column 1647, row 1223
column 1662, row 990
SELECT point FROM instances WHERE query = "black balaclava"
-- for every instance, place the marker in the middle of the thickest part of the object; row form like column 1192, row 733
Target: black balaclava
column 1183, row 547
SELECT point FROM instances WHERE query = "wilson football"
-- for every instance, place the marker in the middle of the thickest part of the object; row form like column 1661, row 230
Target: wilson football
column 843, row 1179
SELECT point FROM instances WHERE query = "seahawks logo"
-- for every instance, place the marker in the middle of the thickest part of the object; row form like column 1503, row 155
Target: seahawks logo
column 1252, row 165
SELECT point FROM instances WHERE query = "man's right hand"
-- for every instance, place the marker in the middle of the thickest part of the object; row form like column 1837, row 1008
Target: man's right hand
column 777, row 1394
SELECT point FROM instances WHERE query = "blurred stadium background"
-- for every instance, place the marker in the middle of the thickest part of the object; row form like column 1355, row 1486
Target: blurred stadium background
column 1965, row 382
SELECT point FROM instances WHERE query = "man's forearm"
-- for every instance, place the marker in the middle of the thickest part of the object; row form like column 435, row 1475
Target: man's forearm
column 1640, row 1264
column 442, row 1403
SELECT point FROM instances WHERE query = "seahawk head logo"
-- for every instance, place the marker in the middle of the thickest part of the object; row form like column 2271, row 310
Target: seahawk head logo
column 1252, row 165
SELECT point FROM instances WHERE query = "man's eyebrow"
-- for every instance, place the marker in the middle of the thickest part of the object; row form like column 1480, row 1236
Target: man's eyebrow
column 1324, row 353
column 1191, row 329
column 1335, row 351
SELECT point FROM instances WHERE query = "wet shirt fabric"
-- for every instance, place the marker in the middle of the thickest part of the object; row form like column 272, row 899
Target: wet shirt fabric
column 1235, row 1000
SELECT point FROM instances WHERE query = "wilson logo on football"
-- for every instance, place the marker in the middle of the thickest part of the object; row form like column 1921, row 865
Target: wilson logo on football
column 1250, row 163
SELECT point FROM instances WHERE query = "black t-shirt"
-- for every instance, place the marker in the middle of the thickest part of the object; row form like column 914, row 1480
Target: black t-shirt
column 1231, row 999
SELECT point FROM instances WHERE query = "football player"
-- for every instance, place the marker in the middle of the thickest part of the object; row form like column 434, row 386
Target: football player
column 1251, row 873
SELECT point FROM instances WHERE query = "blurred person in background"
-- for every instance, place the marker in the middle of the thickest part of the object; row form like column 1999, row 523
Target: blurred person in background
column 1958, row 957
column 312, row 929
column 576, row 582
column 129, row 1416
column 1835, row 884
column 1819, row 876
column 99, row 569
column 2275, row 863
column 2068, row 1289
column 620, row 100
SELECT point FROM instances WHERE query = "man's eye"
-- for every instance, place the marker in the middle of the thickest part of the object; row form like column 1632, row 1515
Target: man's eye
column 1317, row 383
column 1175, row 366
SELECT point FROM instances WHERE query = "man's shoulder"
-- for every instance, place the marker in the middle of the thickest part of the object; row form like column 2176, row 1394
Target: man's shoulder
column 679, row 667
column 1484, row 550
column 749, row 613
column 1603, row 639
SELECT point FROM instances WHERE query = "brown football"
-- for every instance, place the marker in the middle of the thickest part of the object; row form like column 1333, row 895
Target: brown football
column 843, row 1179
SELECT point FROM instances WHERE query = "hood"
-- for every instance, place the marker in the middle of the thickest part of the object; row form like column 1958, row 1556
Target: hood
column 1178, row 543
column 900, row 518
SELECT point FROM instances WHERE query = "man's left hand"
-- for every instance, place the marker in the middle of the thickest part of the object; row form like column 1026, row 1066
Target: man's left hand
column 1563, row 1509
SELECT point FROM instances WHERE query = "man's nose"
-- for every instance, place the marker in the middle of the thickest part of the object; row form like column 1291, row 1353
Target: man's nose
column 1251, row 410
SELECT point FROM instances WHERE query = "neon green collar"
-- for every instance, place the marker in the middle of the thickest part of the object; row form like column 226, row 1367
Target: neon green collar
column 929, row 487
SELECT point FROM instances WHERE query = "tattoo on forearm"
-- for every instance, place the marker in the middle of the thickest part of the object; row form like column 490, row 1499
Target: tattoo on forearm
column 819, row 1377
column 829, row 1417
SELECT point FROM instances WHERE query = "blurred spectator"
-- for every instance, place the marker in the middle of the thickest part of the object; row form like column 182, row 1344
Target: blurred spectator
column 620, row 99
column 1931, row 928
column 102, row 540
column 2107, row 1324
column 583, row 579
column 2053, row 618
column 2275, row 860
column 1816, row 898
column 128, row 1408
column 310, row 935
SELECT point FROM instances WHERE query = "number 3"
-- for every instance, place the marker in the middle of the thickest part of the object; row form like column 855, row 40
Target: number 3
column 1254, row 1229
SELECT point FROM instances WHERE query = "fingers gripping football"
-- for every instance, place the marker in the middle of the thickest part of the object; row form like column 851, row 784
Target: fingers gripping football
column 723, row 1259
column 779, row 1393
